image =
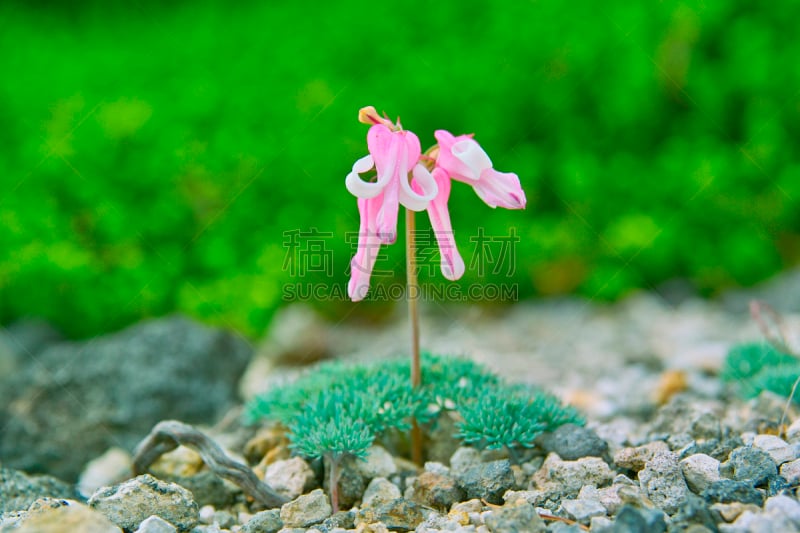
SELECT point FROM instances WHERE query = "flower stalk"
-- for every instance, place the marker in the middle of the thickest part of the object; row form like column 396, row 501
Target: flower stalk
column 412, row 295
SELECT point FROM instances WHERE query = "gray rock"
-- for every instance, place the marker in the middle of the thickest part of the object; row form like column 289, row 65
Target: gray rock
column 156, row 524
column 775, row 519
column 515, row 518
column 634, row 458
column 728, row 491
column 57, row 516
column 662, row 481
column 464, row 458
column 129, row 503
column 695, row 511
column 791, row 471
column 784, row 506
column 397, row 515
column 290, row 477
column 573, row 442
column 377, row 463
column 487, row 481
column 341, row 520
column 638, row 520
column 700, row 471
column 355, row 473
column 777, row 448
column 380, row 490
column 436, row 490
column 749, row 464
column 28, row 337
column 264, row 522
column 19, row 490
column 681, row 416
column 207, row 488
column 558, row 477
column 582, row 510
column 84, row 397
column 306, row 510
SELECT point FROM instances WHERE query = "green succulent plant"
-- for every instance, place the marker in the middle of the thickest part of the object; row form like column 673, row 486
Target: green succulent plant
column 337, row 409
column 511, row 416
column 755, row 367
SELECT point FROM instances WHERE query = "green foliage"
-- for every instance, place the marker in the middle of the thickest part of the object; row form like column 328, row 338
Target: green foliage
column 755, row 367
column 338, row 409
column 332, row 426
column 153, row 156
column 504, row 416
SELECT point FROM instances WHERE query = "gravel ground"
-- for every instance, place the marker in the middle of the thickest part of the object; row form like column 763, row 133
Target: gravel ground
column 666, row 446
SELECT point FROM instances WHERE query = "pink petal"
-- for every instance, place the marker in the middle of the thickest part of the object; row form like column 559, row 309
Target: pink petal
column 500, row 189
column 420, row 192
column 387, row 214
column 368, row 247
column 455, row 166
column 452, row 263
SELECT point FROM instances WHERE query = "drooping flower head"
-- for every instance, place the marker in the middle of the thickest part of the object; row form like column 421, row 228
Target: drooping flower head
column 462, row 158
column 401, row 178
column 394, row 154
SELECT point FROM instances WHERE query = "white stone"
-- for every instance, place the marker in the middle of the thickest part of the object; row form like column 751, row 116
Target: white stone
column 784, row 506
column 777, row 448
column 700, row 471
column 156, row 524
column 380, row 490
column 378, row 463
column 583, row 510
column 791, row 471
column 290, row 477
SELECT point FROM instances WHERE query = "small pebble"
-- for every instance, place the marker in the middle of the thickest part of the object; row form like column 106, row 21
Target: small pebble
column 791, row 471
column 306, row 510
column 700, row 471
column 635, row 458
column 729, row 491
column 583, row 510
column 777, row 448
column 380, row 490
column 156, row 524
column 749, row 464
column 662, row 481
column 514, row 518
column 487, row 481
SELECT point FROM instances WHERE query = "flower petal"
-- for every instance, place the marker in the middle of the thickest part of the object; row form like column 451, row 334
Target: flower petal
column 472, row 156
column 452, row 263
column 420, row 192
column 500, row 189
column 384, row 146
column 455, row 167
column 387, row 214
column 358, row 187
column 368, row 247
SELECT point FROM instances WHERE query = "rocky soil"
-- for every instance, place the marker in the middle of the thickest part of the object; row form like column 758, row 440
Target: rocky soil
column 667, row 446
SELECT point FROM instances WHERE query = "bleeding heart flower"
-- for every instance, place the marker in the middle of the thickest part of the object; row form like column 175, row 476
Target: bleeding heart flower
column 394, row 153
column 464, row 160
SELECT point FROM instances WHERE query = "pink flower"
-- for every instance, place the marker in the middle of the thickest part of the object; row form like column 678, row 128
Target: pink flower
column 464, row 160
column 451, row 262
column 394, row 154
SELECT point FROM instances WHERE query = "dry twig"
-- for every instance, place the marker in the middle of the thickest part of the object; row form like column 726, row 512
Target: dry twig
column 169, row 434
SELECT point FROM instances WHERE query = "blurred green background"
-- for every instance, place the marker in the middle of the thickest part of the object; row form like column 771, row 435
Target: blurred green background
column 154, row 157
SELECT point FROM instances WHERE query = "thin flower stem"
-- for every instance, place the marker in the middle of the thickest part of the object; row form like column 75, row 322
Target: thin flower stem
column 333, row 481
column 412, row 294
